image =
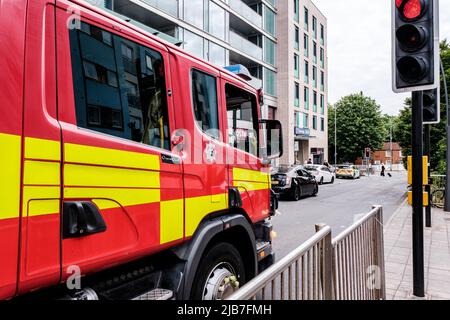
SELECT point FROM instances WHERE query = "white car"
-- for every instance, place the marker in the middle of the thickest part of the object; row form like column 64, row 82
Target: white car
column 323, row 174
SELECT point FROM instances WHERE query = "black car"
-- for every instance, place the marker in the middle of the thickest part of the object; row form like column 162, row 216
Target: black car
column 294, row 182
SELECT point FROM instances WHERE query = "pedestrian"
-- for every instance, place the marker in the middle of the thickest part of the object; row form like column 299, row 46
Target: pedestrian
column 309, row 161
column 326, row 164
column 382, row 170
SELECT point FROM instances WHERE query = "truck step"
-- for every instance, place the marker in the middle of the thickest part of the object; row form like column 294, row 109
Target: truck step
column 156, row 294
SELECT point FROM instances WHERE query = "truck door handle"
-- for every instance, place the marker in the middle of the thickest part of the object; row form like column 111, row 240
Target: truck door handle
column 81, row 218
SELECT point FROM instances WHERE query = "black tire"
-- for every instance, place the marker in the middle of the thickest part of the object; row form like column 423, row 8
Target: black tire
column 332, row 180
column 316, row 190
column 296, row 193
column 221, row 252
column 321, row 181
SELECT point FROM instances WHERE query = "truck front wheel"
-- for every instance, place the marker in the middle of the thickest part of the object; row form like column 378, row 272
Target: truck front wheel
column 220, row 273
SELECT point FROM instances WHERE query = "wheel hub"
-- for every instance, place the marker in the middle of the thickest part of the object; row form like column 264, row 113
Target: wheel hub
column 221, row 283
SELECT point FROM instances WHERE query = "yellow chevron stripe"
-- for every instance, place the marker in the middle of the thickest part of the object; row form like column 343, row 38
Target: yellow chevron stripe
column 40, row 200
column 41, row 172
column 42, row 149
column 251, row 186
column 171, row 220
column 10, row 146
column 79, row 175
column 121, row 197
column 110, row 157
column 240, row 174
column 199, row 207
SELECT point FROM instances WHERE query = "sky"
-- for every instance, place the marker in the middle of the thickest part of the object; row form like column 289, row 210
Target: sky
column 359, row 49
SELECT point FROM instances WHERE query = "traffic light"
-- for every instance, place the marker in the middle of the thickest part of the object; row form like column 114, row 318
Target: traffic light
column 415, row 45
column 431, row 106
column 367, row 153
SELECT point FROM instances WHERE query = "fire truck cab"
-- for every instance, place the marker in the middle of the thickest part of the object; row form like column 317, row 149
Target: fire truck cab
column 131, row 169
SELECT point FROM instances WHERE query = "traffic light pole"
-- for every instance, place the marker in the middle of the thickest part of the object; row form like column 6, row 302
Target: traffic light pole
column 417, row 194
column 428, row 186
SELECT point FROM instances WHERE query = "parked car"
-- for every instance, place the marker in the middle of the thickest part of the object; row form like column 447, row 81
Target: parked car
column 294, row 182
column 323, row 174
column 347, row 171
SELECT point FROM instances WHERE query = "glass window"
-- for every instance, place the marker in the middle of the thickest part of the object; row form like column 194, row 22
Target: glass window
column 204, row 98
column 322, row 58
column 322, row 34
column 306, row 45
column 314, row 27
column 269, row 51
column 306, row 72
column 242, row 117
column 314, row 77
column 193, row 13
column 305, row 121
column 216, row 20
column 193, row 43
column 298, row 122
column 269, row 21
column 315, row 101
column 322, row 124
column 114, row 92
column 306, row 97
column 322, row 81
column 296, row 15
column 296, row 66
column 314, row 52
column 269, row 82
column 296, row 94
column 314, row 125
column 306, row 16
column 216, row 54
column 297, row 37
column 322, row 104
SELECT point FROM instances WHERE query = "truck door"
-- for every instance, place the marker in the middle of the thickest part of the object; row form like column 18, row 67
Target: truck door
column 200, row 123
column 12, row 24
column 246, row 172
column 41, row 190
column 122, row 187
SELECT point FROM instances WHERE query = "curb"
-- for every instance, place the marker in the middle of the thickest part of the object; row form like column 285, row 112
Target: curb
column 402, row 204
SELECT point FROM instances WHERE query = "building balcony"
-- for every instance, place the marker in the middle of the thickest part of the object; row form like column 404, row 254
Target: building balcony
column 167, row 6
column 246, row 46
column 245, row 11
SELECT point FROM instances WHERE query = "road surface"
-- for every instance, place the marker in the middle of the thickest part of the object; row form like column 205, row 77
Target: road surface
column 337, row 205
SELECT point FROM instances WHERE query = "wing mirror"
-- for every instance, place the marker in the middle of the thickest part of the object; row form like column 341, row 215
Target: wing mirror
column 273, row 137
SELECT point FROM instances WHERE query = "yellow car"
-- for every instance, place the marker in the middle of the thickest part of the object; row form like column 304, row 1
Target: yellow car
column 347, row 171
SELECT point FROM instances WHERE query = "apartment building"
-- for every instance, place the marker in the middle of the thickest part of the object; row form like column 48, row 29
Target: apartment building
column 302, row 81
column 224, row 32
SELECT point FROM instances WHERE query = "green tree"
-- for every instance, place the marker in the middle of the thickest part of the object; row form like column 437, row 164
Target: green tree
column 438, row 132
column 359, row 125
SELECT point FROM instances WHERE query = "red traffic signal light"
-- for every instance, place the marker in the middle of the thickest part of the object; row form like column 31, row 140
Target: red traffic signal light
column 415, row 45
column 411, row 9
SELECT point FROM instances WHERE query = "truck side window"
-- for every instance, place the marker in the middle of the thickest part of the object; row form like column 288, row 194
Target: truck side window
column 204, row 98
column 242, row 117
column 119, row 87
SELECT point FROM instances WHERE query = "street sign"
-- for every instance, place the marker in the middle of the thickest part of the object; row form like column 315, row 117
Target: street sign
column 415, row 45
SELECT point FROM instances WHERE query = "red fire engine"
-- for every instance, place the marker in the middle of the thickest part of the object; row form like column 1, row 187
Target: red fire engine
column 126, row 161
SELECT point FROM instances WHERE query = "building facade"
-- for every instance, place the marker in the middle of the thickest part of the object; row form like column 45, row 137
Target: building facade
column 224, row 32
column 389, row 155
column 302, row 81
column 282, row 43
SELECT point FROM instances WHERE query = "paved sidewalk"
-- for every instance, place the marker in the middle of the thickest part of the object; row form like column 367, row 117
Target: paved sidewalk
column 398, row 255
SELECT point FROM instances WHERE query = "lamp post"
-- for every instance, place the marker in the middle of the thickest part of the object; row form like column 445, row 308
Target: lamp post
column 335, row 135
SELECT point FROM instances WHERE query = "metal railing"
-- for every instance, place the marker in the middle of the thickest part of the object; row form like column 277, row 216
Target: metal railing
column 351, row 266
column 358, row 260
column 298, row 276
